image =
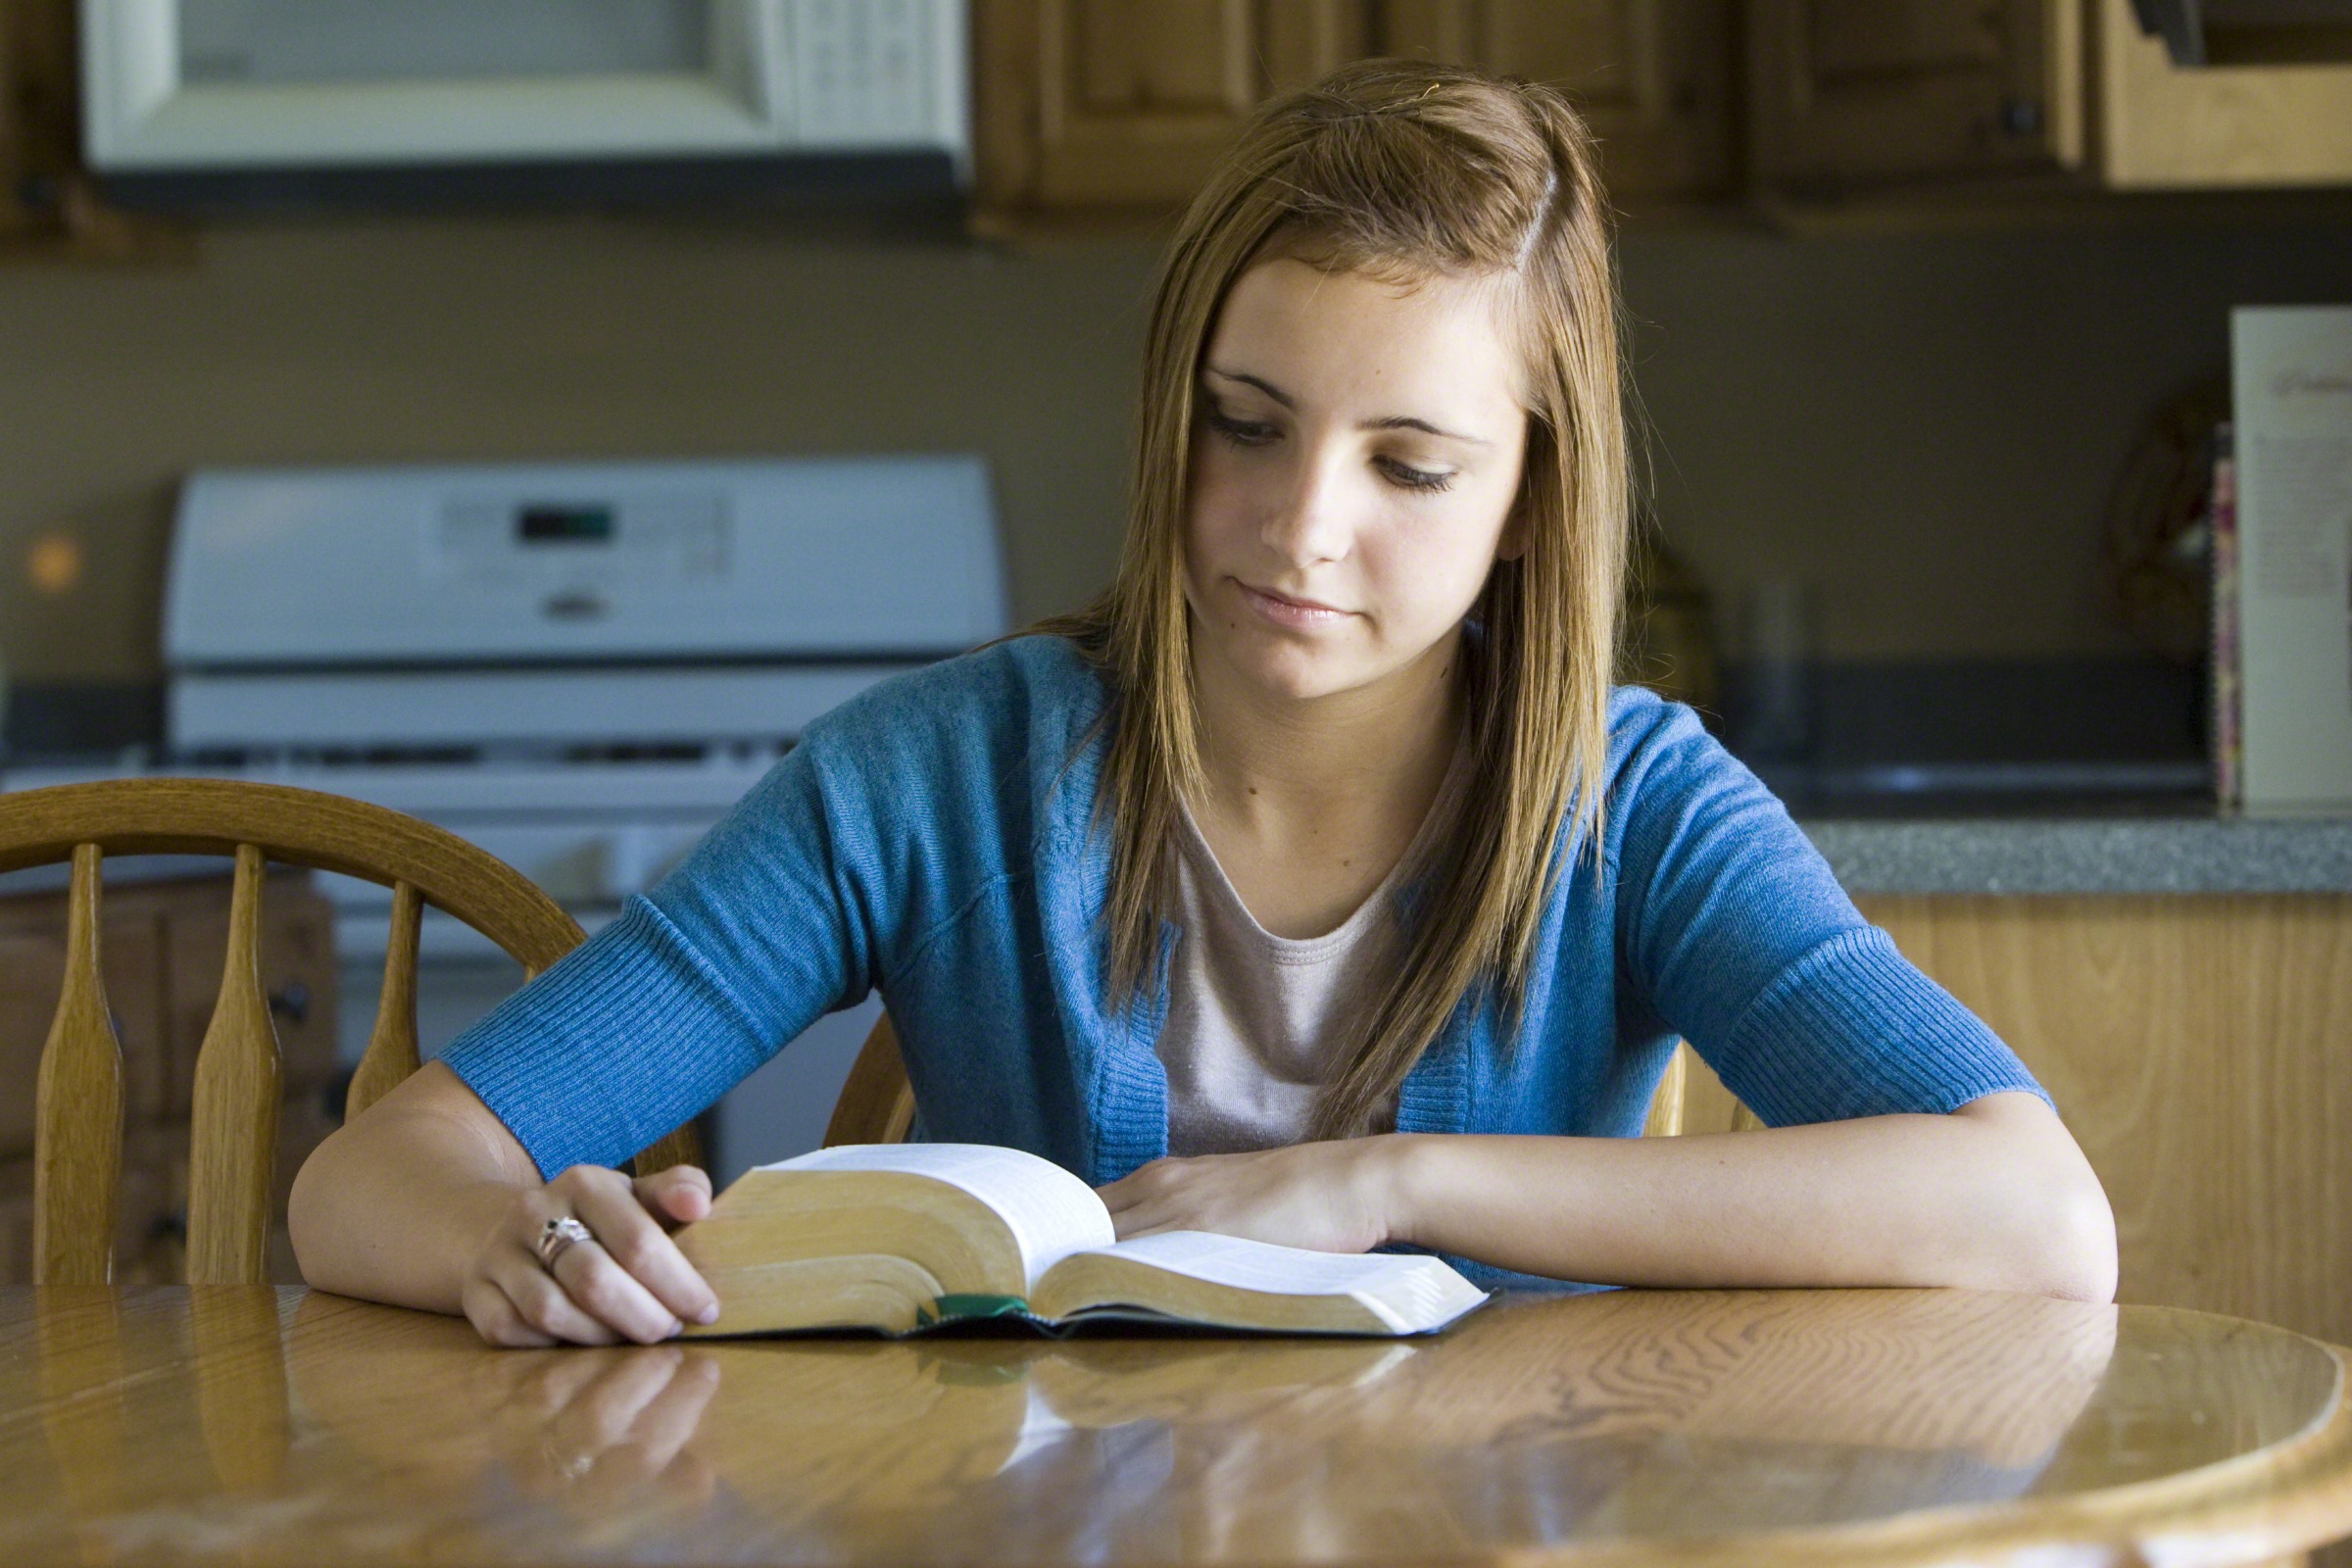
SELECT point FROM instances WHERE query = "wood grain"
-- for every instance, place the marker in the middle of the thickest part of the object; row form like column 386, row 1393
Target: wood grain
column 77, row 1139
column 2162, row 125
column 239, row 1087
column 1624, row 1427
column 876, row 1105
column 1668, row 1103
column 295, row 828
column 239, row 1071
column 2194, row 1044
column 391, row 1053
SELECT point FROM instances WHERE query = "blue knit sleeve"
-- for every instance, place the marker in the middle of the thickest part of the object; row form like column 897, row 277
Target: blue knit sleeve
column 759, row 931
column 1734, row 928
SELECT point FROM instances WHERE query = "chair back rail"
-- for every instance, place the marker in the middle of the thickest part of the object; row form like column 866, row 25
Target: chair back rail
column 78, row 1113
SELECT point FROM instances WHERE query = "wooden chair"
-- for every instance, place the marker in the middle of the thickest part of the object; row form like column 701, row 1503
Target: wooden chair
column 78, row 1137
column 877, row 1105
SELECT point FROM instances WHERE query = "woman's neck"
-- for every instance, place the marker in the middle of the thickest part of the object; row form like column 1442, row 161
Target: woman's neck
column 1280, row 770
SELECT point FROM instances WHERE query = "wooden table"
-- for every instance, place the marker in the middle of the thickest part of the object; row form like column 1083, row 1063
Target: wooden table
column 270, row 1426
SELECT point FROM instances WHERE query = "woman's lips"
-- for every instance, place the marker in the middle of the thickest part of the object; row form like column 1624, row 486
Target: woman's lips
column 1285, row 612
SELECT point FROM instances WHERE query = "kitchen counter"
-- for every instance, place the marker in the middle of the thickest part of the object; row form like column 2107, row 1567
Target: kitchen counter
column 2120, row 849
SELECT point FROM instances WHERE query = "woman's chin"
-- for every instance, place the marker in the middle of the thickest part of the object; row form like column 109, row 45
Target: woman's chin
column 1300, row 677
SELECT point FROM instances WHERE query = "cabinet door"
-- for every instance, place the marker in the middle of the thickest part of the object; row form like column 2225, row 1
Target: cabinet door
column 2254, row 118
column 2194, row 1044
column 1127, row 103
column 1857, row 91
column 1652, row 77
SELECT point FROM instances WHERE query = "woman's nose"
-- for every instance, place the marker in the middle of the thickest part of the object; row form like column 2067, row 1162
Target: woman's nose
column 1309, row 521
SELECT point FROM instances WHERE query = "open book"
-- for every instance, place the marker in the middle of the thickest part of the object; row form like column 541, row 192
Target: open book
column 903, row 1238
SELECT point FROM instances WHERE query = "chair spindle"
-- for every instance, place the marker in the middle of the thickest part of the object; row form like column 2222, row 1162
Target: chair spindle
column 392, row 1045
column 1665, row 1118
column 239, row 1083
column 77, row 1172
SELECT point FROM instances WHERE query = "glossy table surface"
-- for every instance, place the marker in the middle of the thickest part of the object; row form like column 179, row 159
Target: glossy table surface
column 265, row 1426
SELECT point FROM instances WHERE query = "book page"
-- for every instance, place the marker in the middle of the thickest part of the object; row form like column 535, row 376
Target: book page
column 1409, row 1292
column 1051, row 1212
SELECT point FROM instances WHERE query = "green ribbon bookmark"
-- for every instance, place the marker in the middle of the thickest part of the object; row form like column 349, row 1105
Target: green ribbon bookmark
column 951, row 1308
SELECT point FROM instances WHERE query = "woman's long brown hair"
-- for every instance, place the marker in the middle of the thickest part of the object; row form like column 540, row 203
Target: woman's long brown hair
column 1401, row 171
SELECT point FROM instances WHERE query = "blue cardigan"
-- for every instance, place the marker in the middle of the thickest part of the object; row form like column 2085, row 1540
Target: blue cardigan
column 929, row 838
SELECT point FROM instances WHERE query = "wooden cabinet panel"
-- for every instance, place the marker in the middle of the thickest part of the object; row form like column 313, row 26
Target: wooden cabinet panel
column 1127, row 103
column 2195, row 1047
column 1104, row 104
column 1852, row 92
column 1652, row 77
column 2224, row 126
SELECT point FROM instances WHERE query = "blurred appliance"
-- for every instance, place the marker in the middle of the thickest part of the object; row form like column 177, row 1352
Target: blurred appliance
column 259, row 100
column 578, row 667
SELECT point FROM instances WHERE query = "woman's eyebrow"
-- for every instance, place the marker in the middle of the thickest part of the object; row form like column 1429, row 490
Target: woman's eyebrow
column 1393, row 422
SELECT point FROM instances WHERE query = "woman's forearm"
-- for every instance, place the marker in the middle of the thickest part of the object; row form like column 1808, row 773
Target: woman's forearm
column 396, row 1204
column 2001, row 1198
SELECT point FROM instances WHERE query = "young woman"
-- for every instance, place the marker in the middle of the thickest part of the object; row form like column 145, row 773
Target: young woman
column 1315, row 884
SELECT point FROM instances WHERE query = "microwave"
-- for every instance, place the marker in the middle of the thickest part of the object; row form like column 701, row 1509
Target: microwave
column 314, row 97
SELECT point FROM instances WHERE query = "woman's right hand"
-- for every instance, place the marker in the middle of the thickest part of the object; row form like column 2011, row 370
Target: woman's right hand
column 629, row 1283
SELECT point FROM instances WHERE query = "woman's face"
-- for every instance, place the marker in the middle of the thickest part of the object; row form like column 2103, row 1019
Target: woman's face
column 1355, row 448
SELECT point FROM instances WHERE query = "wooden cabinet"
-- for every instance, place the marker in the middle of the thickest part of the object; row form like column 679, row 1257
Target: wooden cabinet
column 2268, row 111
column 49, row 207
column 1655, row 78
column 2196, row 1046
column 1854, row 94
column 1123, row 104
column 1847, row 91
column 162, row 952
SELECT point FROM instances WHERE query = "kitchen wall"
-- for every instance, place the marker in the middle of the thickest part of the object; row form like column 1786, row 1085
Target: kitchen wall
column 1926, row 427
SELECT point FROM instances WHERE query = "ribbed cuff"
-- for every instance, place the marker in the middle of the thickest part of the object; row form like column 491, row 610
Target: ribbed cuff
column 628, row 1035
column 1855, row 1029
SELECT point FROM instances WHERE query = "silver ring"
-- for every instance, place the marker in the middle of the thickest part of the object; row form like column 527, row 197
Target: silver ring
column 559, row 1234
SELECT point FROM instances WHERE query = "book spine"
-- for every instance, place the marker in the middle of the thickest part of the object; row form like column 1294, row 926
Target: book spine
column 2228, row 753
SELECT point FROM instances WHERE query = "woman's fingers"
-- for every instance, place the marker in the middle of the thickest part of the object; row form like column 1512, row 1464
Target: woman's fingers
column 494, row 1317
column 547, row 1308
column 628, row 1282
column 635, row 1241
column 681, row 1193
column 601, row 1287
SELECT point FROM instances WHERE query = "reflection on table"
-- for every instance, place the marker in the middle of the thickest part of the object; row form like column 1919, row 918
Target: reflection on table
column 268, row 1425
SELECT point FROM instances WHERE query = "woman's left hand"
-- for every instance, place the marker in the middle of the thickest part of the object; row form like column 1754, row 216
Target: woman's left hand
column 1333, row 1196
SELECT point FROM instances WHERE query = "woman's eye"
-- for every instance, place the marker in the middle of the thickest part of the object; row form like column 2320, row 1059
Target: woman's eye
column 1244, row 433
column 1239, row 431
column 1416, row 479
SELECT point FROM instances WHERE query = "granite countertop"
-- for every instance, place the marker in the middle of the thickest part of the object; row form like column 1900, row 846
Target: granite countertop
column 2118, row 847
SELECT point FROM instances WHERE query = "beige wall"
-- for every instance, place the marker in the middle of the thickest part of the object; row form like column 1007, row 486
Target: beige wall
column 482, row 339
column 1924, row 427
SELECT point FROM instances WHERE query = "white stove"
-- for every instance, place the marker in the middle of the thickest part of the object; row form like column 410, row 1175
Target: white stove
column 578, row 667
